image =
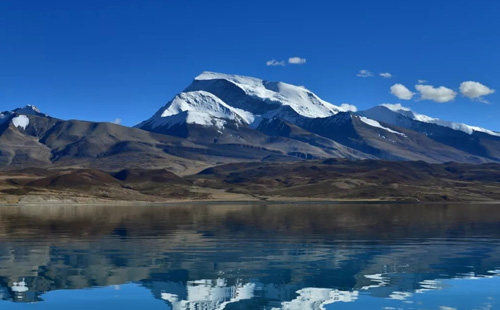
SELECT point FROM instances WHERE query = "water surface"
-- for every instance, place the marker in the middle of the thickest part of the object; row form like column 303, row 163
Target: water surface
column 299, row 256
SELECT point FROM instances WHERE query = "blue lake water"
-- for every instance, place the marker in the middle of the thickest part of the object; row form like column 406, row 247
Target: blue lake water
column 297, row 256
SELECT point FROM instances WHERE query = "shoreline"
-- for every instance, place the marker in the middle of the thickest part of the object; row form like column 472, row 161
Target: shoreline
column 269, row 201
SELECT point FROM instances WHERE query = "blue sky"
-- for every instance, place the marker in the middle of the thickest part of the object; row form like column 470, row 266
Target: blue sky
column 102, row 60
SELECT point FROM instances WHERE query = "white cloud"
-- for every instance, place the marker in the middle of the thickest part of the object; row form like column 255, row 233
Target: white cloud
column 274, row 62
column 296, row 60
column 117, row 121
column 348, row 107
column 437, row 94
column 364, row 73
column 385, row 75
column 422, row 81
column 401, row 91
column 474, row 90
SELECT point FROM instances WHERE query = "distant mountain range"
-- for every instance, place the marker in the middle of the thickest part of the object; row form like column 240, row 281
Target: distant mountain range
column 222, row 118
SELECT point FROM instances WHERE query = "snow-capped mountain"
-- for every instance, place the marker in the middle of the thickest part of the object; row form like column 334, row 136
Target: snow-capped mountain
column 19, row 117
column 213, row 99
column 471, row 139
column 391, row 113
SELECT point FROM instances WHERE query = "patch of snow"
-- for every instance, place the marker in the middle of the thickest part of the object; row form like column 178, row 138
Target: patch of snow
column 376, row 124
column 398, row 108
column 21, row 121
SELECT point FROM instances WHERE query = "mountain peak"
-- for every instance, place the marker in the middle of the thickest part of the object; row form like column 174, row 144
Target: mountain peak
column 245, row 81
column 210, row 75
column 270, row 94
column 214, row 98
column 28, row 109
column 19, row 116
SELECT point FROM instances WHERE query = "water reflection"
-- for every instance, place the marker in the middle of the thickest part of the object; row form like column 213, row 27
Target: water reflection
column 252, row 257
column 209, row 294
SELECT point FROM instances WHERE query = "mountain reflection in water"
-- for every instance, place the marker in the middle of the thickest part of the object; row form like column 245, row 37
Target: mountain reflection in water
column 251, row 256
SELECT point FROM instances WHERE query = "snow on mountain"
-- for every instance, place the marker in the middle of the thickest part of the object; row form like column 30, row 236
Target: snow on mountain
column 376, row 124
column 389, row 113
column 242, row 99
column 197, row 107
column 21, row 121
column 303, row 101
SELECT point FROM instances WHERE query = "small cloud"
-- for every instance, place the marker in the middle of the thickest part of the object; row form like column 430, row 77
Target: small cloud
column 274, row 62
column 385, row 75
column 447, row 308
column 348, row 107
column 117, row 121
column 296, row 61
column 422, row 81
column 475, row 90
column 364, row 73
column 401, row 91
column 482, row 100
column 438, row 94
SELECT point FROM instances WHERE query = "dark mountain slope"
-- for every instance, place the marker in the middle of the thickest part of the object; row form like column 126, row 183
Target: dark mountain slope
column 385, row 141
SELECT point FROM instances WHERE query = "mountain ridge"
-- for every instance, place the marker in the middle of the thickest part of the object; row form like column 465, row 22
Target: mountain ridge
column 221, row 118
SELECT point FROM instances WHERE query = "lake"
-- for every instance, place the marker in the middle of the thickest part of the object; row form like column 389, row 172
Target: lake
column 276, row 256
